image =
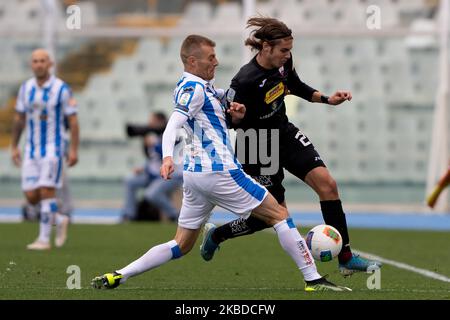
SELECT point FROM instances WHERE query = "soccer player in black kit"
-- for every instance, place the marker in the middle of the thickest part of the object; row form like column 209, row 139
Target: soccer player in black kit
column 261, row 86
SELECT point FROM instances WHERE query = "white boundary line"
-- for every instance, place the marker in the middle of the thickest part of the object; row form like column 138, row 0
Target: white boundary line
column 423, row 272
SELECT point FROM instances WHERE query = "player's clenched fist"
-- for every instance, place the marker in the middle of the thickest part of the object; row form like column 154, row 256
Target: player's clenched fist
column 339, row 97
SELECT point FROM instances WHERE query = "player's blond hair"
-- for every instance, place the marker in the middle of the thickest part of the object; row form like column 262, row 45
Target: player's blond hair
column 191, row 46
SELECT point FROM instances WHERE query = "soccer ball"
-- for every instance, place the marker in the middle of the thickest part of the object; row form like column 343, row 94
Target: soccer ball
column 324, row 242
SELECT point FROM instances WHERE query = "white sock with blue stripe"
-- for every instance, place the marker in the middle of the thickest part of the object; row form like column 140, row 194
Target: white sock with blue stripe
column 153, row 258
column 294, row 244
column 49, row 208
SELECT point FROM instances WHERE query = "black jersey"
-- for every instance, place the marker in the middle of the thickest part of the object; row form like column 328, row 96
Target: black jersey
column 262, row 92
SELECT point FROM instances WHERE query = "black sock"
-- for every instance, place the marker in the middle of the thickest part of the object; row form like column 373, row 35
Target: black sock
column 237, row 228
column 334, row 215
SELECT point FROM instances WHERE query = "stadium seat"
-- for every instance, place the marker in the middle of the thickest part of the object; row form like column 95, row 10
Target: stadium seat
column 197, row 13
column 367, row 139
column 7, row 168
column 269, row 8
column 229, row 15
column 148, row 47
column 88, row 10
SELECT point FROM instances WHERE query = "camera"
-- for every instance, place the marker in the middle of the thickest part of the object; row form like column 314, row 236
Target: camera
column 141, row 131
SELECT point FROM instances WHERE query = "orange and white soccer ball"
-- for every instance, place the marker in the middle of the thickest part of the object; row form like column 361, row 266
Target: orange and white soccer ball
column 324, row 242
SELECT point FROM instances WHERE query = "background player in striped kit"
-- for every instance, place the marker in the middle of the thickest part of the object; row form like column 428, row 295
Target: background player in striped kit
column 42, row 103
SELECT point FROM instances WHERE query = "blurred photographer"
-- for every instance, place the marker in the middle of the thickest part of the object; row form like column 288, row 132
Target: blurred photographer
column 157, row 191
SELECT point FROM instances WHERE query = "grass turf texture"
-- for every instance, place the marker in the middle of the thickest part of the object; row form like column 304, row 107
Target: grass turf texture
column 252, row 267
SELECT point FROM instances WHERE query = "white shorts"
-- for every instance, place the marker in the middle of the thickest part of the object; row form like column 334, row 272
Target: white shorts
column 46, row 172
column 233, row 190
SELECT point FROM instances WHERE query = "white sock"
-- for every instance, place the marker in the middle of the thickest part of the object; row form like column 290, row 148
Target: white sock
column 59, row 218
column 294, row 244
column 153, row 258
column 49, row 207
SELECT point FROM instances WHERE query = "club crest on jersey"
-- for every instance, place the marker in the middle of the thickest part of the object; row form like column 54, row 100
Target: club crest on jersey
column 188, row 89
column 274, row 93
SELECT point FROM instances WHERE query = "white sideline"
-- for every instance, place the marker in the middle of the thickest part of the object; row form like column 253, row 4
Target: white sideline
column 423, row 272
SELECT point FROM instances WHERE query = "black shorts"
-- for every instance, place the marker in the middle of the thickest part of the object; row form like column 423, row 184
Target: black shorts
column 297, row 155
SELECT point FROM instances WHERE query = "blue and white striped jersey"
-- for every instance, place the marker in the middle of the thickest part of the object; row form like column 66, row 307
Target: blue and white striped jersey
column 208, row 146
column 45, row 108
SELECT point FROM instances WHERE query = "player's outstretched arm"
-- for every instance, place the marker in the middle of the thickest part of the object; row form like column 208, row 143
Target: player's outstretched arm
column 337, row 98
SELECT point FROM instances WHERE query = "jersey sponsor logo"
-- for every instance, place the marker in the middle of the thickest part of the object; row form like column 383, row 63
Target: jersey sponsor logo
column 271, row 113
column 274, row 93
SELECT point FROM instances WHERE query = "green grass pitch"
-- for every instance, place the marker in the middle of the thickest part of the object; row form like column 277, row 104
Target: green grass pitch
column 252, row 267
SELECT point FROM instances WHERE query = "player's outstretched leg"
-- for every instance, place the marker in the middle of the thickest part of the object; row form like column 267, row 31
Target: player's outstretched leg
column 333, row 214
column 293, row 243
column 158, row 255
column 213, row 236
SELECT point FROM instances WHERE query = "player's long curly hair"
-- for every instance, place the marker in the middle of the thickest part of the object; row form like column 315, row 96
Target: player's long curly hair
column 267, row 29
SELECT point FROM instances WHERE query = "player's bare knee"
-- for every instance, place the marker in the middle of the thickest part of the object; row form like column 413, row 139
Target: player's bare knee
column 328, row 189
column 32, row 197
column 47, row 193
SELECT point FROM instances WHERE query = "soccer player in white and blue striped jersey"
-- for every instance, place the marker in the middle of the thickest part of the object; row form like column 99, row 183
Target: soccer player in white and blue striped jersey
column 212, row 175
column 42, row 103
